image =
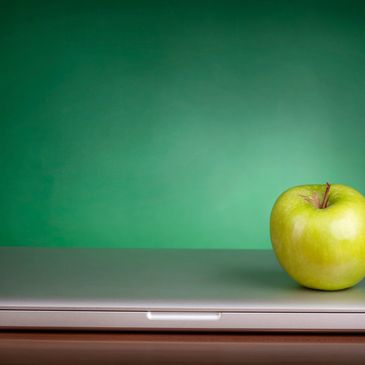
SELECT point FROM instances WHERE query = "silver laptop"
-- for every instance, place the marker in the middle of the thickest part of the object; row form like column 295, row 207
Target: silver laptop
column 172, row 289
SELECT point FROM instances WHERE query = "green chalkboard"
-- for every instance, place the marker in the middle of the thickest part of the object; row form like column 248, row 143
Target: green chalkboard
column 173, row 123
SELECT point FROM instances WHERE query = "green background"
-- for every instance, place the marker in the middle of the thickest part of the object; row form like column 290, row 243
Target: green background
column 173, row 123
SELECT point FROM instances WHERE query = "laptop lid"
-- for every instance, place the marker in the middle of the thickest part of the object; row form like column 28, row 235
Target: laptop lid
column 165, row 289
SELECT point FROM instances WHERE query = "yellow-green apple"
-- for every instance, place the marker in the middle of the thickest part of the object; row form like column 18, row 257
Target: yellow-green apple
column 318, row 235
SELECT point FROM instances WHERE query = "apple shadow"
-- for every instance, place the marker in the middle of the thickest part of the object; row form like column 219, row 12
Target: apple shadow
column 269, row 278
column 261, row 277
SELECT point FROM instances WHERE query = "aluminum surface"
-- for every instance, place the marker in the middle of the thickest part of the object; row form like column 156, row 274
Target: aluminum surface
column 159, row 280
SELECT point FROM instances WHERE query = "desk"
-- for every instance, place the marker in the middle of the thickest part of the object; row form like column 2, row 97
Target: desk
column 179, row 348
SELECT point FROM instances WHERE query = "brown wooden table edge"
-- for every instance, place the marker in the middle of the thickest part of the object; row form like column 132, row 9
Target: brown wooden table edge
column 167, row 336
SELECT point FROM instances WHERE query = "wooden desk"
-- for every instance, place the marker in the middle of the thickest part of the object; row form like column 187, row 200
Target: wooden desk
column 179, row 348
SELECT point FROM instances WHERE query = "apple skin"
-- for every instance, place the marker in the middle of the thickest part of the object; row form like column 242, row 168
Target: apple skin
column 320, row 248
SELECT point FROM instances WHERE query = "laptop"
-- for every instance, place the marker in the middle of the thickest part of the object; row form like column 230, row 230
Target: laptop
column 165, row 290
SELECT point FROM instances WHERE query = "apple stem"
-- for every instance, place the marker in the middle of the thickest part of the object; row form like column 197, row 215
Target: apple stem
column 326, row 196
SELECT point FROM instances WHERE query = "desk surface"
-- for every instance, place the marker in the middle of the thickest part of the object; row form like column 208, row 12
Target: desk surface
column 179, row 348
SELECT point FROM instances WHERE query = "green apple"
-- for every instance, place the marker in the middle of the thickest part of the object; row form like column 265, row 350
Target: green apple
column 318, row 235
